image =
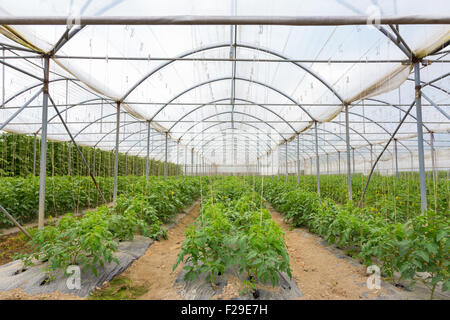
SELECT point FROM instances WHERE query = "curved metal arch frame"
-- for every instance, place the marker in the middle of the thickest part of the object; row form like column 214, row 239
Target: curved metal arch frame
column 397, row 107
column 145, row 147
column 321, row 129
column 238, row 99
column 273, row 140
column 294, row 158
column 155, row 147
column 198, row 85
column 383, row 128
column 250, row 125
column 134, row 122
column 242, row 123
column 227, row 112
column 17, row 94
column 226, row 45
column 113, row 130
column 304, row 140
column 428, row 84
column 334, row 122
column 289, row 156
column 67, row 109
column 246, row 134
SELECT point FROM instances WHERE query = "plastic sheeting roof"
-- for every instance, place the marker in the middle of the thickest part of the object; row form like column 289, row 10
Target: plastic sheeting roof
column 230, row 111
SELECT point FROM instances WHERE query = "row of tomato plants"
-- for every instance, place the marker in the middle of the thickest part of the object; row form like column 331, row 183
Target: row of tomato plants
column 234, row 230
column 420, row 244
column 91, row 240
column 17, row 157
column 395, row 199
column 20, row 196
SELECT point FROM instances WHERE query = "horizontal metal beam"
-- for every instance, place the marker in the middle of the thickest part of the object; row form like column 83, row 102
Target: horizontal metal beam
column 236, row 104
column 203, row 59
column 224, row 20
column 224, row 121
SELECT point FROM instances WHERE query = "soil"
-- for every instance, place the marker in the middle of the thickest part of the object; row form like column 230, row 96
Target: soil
column 319, row 273
column 10, row 245
column 19, row 294
column 153, row 271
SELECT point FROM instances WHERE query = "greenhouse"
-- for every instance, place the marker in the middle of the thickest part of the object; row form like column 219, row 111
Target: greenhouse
column 224, row 149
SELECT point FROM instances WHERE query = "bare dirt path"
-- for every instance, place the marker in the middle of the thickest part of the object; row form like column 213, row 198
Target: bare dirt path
column 319, row 273
column 153, row 270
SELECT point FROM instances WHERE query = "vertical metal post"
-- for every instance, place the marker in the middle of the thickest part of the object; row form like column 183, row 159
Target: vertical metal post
column 185, row 161
column 257, row 156
column 34, row 155
column 3, row 79
column 353, row 160
column 165, row 160
column 433, row 157
column 147, row 157
column 286, row 159
column 298, row 159
column 272, row 163
column 93, row 163
column 196, row 165
column 69, row 158
column 116, row 152
column 339, row 162
column 328, row 165
column 317, row 157
column 396, row 159
column 178, row 154
column 192, row 161
column 371, row 156
column 347, row 142
column 43, row 163
column 423, row 188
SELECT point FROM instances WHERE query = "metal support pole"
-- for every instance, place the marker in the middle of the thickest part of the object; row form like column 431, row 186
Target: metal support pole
column 423, row 188
column 298, row 159
column 317, row 157
column 43, row 163
column 339, row 162
column 196, row 164
column 433, row 158
column 178, row 154
column 147, row 157
column 3, row 78
column 93, row 163
column 34, row 154
column 165, row 160
column 384, row 149
column 78, row 149
column 69, row 158
column 353, row 159
column 116, row 151
column 286, row 159
column 347, row 141
column 328, row 165
column 4, row 124
column 14, row 221
column 396, row 159
column 192, row 161
column 371, row 156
